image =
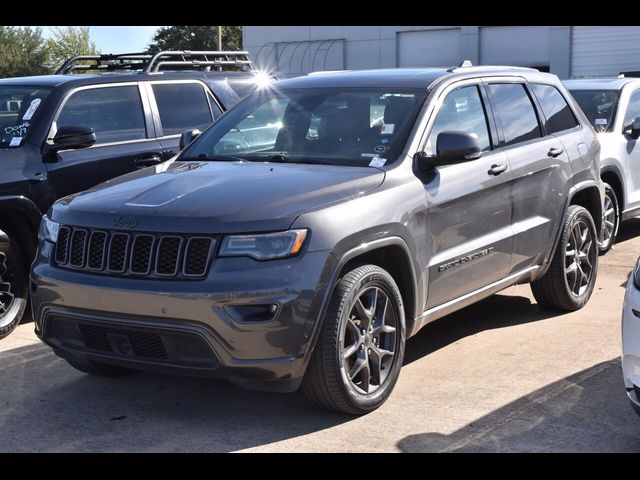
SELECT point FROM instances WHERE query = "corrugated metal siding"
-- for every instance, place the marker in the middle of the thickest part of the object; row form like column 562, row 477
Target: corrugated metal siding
column 604, row 51
column 431, row 48
column 519, row 46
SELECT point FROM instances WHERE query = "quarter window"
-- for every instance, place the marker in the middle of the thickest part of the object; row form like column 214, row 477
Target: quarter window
column 633, row 110
column 555, row 108
column 515, row 112
column 115, row 113
column 461, row 111
column 182, row 106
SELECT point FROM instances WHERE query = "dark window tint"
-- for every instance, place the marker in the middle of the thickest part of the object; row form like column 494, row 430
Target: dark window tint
column 115, row 113
column 555, row 108
column 599, row 106
column 515, row 112
column 461, row 111
column 633, row 110
column 182, row 107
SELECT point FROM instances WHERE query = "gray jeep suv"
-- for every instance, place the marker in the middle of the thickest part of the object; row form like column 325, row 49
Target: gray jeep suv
column 305, row 235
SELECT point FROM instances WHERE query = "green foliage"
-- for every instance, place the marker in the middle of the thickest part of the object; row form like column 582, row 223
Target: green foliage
column 67, row 42
column 23, row 51
column 196, row 38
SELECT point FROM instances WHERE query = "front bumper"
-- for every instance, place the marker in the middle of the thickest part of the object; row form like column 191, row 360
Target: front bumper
column 189, row 327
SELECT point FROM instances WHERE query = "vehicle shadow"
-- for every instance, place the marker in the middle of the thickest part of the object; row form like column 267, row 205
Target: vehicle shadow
column 628, row 230
column 496, row 311
column 571, row 415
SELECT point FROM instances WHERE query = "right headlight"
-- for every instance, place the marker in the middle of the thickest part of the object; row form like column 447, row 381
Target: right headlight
column 48, row 230
column 265, row 246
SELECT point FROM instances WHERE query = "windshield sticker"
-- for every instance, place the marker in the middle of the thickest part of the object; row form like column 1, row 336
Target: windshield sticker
column 18, row 130
column 35, row 103
column 15, row 142
column 370, row 155
column 377, row 161
column 380, row 149
column 601, row 121
column 387, row 128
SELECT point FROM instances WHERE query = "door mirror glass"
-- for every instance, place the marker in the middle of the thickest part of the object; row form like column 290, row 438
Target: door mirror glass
column 635, row 128
column 187, row 137
column 72, row 137
column 455, row 147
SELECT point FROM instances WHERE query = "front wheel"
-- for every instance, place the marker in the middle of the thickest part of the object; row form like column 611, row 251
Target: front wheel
column 571, row 277
column 610, row 220
column 359, row 353
column 13, row 287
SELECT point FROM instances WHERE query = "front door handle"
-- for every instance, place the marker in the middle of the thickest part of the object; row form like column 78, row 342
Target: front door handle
column 555, row 152
column 144, row 162
column 497, row 169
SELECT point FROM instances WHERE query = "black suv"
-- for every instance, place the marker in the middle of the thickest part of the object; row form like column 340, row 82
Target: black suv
column 129, row 120
column 322, row 221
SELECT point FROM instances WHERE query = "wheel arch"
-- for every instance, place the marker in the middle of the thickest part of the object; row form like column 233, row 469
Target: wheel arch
column 20, row 219
column 611, row 174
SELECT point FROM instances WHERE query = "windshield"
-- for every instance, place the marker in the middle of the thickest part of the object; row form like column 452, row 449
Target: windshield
column 599, row 106
column 342, row 126
column 19, row 107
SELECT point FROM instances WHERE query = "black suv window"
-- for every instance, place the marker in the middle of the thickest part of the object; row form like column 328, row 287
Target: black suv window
column 182, row 106
column 633, row 110
column 555, row 108
column 19, row 108
column 515, row 112
column 461, row 111
column 115, row 113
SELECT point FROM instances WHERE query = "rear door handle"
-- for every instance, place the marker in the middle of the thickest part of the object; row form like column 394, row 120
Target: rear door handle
column 148, row 161
column 555, row 152
column 497, row 169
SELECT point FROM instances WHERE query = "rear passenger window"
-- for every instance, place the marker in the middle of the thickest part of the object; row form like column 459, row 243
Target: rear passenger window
column 182, row 106
column 515, row 112
column 633, row 111
column 115, row 113
column 555, row 108
column 461, row 111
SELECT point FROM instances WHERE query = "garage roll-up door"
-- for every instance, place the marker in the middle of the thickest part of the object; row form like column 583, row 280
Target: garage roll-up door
column 429, row 48
column 604, row 51
column 518, row 46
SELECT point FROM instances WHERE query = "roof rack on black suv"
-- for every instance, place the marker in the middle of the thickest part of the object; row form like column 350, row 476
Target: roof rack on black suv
column 148, row 62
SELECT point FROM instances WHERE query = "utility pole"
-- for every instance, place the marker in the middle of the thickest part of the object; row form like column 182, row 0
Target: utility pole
column 219, row 38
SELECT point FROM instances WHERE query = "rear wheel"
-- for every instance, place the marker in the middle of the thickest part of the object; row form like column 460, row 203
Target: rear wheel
column 571, row 277
column 358, row 357
column 13, row 287
column 610, row 220
column 99, row 369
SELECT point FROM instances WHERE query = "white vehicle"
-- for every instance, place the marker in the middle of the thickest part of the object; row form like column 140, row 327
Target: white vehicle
column 631, row 338
column 612, row 105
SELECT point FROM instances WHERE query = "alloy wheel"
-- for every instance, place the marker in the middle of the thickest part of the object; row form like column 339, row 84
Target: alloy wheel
column 580, row 257
column 608, row 221
column 7, row 294
column 369, row 344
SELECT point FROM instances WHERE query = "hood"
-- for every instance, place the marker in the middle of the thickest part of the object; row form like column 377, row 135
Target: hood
column 214, row 197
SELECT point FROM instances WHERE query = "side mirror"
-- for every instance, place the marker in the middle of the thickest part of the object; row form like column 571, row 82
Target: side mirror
column 635, row 128
column 72, row 137
column 187, row 137
column 455, row 147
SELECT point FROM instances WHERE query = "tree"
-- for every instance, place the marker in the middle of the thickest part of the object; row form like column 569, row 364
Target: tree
column 23, row 51
column 66, row 42
column 196, row 38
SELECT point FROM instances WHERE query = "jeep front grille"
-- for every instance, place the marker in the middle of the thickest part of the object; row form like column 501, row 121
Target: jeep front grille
column 134, row 254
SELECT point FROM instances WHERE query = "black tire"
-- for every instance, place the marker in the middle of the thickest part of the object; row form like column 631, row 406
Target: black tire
column 610, row 220
column 563, row 286
column 13, row 286
column 99, row 369
column 327, row 382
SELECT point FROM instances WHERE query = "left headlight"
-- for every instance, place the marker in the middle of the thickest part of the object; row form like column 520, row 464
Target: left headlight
column 636, row 274
column 267, row 246
column 48, row 230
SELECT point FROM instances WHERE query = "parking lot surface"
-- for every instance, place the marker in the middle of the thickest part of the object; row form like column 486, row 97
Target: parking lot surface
column 501, row 375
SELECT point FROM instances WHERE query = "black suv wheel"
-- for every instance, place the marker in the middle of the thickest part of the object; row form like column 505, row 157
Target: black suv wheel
column 569, row 282
column 359, row 354
column 13, row 287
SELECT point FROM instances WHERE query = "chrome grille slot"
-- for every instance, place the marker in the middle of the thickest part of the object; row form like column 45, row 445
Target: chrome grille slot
column 141, row 254
column 118, row 248
column 78, row 247
column 168, row 253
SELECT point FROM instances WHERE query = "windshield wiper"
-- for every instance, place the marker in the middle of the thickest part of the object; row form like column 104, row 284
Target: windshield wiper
column 281, row 158
column 215, row 158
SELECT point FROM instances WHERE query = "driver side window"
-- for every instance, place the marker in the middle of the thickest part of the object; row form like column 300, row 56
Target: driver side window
column 633, row 111
column 461, row 111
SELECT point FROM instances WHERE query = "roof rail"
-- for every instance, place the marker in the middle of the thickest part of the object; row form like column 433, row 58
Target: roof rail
column 148, row 62
column 467, row 65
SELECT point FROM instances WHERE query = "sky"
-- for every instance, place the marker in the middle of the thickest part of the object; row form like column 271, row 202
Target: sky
column 118, row 39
